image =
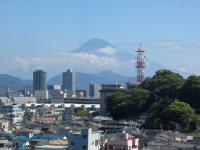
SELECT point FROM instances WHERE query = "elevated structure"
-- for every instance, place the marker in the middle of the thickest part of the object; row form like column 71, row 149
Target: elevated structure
column 140, row 64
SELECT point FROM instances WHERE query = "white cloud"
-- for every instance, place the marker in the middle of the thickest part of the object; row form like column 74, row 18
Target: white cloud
column 192, row 69
column 81, row 61
column 107, row 50
column 164, row 45
column 24, row 64
column 171, row 54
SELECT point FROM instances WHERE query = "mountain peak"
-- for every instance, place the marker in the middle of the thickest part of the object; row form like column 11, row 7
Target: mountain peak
column 92, row 45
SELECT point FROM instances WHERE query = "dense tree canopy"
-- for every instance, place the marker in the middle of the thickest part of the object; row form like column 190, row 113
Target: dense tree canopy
column 138, row 102
column 164, row 83
column 154, row 112
column 159, row 96
column 180, row 113
column 171, row 115
column 121, row 105
column 116, row 105
column 190, row 92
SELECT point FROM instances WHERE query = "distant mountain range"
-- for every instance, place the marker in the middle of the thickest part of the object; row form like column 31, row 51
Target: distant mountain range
column 104, row 77
column 101, row 49
column 13, row 83
column 82, row 80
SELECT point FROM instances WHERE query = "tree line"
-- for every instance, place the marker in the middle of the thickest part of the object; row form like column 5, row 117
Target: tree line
column 167, row 98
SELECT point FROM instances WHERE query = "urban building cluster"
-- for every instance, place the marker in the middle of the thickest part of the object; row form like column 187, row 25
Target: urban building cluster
column 51, row 118
column 57, row 92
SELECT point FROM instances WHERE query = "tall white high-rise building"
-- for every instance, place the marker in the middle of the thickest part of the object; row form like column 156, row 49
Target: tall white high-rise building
column 69, row 82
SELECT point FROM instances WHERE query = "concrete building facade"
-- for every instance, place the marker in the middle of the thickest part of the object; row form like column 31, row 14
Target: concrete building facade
column 68, row 80
column 123, row 142
column 94, row 90
column 105, row 91
column 58, row 95
column 40, row 82
column 86, row 140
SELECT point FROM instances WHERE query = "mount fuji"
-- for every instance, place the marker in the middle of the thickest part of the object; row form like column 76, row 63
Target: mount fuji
column 126, row 58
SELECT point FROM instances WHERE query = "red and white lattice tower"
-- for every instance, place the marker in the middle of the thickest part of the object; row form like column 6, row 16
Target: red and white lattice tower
column 140, row 64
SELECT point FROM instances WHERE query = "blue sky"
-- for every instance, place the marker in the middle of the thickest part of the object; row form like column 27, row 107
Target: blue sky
column 169, row 30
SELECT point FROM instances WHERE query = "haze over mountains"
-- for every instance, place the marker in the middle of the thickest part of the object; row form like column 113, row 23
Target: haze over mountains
column 97, row 55
column 125, row 58
column 82, row 80
column 104, row 77
column 93, row 56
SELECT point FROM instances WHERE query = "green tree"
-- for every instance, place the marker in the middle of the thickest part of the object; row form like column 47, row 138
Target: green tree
column 81, row 112
column 137, row 102
column 172, row 114
column 154, row 113
column 182, row 114
column 116, row 104
column 190, row 92
column 121, row 105
column 164, row 83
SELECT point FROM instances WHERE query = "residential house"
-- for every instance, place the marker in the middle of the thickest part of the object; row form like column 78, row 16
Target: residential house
column 47, row 119
column 6, row 140
column 24, row 132
column 12, row 111
column 123, row 142
column 23, row 142
column 84, row 140
column 4, row 125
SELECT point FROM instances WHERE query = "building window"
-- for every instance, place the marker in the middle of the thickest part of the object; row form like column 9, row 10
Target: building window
column 96, row 142
column 84, row 147
column 92, row 142
column 72, row 143
column 110, row 147
column 134, row 146
column 84, row 136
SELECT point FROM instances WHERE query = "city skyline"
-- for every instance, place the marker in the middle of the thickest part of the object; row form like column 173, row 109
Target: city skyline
column 42, row 34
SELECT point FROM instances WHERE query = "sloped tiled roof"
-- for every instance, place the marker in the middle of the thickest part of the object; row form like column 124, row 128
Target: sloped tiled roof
column 52, row 131
column 47, row 119
column 58, row 142
column 24, row 130
column 48, row 136
column 23, row 138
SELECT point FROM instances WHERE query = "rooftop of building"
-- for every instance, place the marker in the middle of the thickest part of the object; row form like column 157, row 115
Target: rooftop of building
column 52, row 146
column 47, row 119
column 49, row 136
column 24, row 131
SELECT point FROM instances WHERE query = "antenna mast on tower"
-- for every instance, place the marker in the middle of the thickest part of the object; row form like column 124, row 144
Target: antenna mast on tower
column 140, row 64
